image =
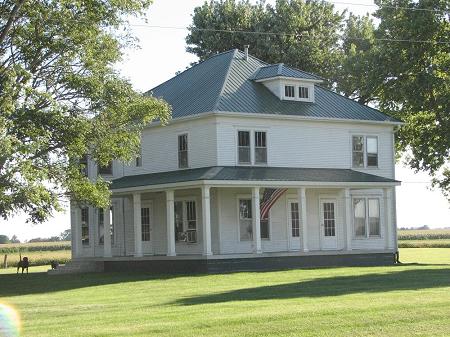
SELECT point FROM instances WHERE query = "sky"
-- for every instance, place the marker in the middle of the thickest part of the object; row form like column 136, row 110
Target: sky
column 163, row 52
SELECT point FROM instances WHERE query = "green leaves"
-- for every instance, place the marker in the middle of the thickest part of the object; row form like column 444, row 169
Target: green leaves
column 60, row 98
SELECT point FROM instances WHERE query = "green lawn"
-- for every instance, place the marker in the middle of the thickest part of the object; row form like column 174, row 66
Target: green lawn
column 408, row 300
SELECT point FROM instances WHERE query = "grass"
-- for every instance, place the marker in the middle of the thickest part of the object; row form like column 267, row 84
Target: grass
column 407, row 300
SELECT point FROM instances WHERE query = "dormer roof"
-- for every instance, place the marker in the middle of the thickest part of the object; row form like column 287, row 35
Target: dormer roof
column 226, row 83
column 281, row 70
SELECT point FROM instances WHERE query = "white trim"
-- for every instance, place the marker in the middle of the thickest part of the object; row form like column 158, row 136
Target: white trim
column 287, row 78
column 274, row 115
column 334, row 199
column 255, row 183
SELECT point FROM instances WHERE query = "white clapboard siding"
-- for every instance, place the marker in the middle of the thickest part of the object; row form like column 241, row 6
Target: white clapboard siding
column 306, row 143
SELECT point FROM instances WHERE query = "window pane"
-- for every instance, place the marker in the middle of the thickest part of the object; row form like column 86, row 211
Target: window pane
column 101, row 226
column 244, row 138
column 359, row 220
column 372, row 160
column 358, row 159
column 289, row 91
column 244, row 155
column 105, row 169
column 303, row 92
column 260, row 155
column 182, row 151
column 295, row 221
column 245, row 219
column 260, row 139
column 145, row 223
column 374, row 217
column 358, row 143
column 85, row 226
column 264, row 226
column 178, row 210
column 372, row 145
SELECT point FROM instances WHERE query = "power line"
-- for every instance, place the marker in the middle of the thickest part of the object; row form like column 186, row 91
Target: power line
column 234, row 31
column 391, row 7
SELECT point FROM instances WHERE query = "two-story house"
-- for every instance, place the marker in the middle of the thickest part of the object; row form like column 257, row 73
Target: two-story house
column 259, row 167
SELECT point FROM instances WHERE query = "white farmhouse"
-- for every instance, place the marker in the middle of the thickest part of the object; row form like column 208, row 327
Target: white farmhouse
column 260, row 167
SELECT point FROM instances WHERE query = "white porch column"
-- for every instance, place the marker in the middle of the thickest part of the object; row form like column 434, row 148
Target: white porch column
column 388, row 227
column 170, row 217
column 107, row 232
column 76, row 228
column 137, row 224
column 206, row 220
column 256, row 219
column 301, row 192
column 348, row 218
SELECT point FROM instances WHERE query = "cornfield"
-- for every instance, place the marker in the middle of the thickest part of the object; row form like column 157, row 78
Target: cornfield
column 39, row 258
column 430, row 234
column 34, row 247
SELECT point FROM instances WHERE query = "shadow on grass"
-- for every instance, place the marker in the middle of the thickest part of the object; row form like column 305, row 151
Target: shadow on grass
column 41, row 282
column 333, row 286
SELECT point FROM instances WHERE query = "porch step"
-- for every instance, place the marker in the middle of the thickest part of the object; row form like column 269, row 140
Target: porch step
column 78, row 266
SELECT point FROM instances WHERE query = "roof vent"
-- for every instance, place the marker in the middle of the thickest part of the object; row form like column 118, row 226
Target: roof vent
column 246, row 51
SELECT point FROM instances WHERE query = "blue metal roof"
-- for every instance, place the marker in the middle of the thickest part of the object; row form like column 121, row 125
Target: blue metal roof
column 226, row 83
column 244, row 173
column 276, row 70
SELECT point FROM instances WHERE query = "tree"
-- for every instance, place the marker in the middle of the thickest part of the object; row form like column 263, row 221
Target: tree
column 304, row 34
column 60, row 98
column 15, row 239
column 4, row 239
column 416, row 82
column 66, row 235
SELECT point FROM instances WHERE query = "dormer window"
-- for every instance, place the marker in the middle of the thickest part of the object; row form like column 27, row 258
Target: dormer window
column 303, row 92
column 289, row 91
column 297, row 91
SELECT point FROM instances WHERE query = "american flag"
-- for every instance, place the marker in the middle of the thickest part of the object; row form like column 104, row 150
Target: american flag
column 270, row 196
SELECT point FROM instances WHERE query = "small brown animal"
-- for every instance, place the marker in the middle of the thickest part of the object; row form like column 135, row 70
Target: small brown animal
column 23, row 263
column 54, row 264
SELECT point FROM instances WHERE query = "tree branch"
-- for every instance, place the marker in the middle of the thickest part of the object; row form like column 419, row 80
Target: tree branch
column 10, row 21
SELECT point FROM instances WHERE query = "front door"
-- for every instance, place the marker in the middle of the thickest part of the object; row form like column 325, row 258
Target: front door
column 328, row 223
column 293, row 225
column 146, row 227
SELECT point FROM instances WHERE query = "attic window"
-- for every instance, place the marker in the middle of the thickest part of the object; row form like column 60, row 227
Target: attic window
column 303, row 92
column 289, row 91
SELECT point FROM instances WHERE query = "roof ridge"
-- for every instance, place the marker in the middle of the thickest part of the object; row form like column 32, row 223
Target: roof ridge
column 280, row 68
column 225, row 79
column 192, row 67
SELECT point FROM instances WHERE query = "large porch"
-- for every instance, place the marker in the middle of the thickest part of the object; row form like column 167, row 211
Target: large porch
column 207, row 218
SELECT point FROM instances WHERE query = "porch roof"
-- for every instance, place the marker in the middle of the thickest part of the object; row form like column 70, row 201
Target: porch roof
column 244, row 173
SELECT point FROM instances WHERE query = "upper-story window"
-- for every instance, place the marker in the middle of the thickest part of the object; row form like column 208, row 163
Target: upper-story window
column 260, row 147
column 252, row 151
column 303, row 92
column 139, row 158
column 106, row 169
column 298, row 92
column 289, row 91
column 183, row 151
column 244, row 147
column 84, row 165
column 364, row 151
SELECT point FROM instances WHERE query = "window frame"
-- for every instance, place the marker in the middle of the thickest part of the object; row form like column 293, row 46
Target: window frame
column 85, row 224
column 179, row 135
column 238, row 204
column 252, row 134
column 367, row 234
column 185, row 225
column 107, row 173
column 364, row 151
column 269, row 225
column 254, row 147
column 305, row 90
column 309, row 86
column 293, row 86
column 147, row 205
